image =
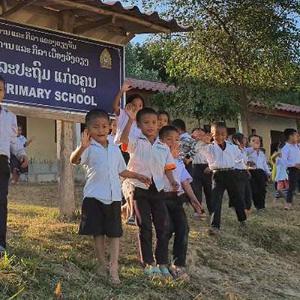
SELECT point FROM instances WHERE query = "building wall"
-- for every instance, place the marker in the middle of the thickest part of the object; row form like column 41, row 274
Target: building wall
column 264, row 124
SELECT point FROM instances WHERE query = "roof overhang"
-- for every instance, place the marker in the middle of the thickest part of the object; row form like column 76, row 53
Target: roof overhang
column 110, row 21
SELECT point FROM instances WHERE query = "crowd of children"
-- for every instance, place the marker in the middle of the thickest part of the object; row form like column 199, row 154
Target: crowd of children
column 150, row 166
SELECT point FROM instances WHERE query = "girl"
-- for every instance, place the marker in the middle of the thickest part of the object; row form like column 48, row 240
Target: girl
column 163, row 119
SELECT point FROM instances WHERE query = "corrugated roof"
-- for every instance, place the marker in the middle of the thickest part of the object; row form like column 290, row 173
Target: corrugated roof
column 134, row 11
column 153, row 86
column 280, row 106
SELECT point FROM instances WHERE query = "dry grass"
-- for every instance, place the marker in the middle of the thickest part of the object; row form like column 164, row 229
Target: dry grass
column 262, row 262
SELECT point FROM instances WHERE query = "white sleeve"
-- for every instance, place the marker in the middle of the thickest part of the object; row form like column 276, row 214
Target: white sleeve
column 122, row 120
column 185, row 175
column 266, row 166
column 285, row 157
column 121, row 161
column 85, row 157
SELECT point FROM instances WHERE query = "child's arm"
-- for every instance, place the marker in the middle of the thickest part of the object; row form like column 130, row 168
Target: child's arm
column 144, row 179
column 116, row 104
column 124, row 139
column 85, row 143
column 193, row 199
column 173, row 182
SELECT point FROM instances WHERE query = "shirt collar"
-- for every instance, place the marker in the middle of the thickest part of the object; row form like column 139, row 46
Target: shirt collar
column 94, row 142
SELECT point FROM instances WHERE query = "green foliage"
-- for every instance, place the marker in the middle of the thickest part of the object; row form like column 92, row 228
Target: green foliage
column 250, row 47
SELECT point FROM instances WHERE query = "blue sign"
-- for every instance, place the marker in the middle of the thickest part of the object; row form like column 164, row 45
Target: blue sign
column 53, row 70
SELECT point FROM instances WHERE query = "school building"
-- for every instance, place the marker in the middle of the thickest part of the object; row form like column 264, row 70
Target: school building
column 268, row 123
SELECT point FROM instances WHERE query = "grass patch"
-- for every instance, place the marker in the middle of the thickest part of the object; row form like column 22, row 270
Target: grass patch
column 47, row 255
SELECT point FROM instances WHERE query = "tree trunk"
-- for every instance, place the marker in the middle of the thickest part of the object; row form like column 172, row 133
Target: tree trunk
column 245, row 122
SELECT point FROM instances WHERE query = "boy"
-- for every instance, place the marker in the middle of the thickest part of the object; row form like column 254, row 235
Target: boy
column 187, row 144
column 153, row 159
column 260, row 172
column 222, row 158
column 8, row 144
column 201, row 178
column 101, row 208
column 15, row 163
column 174, row 202
column 290, row 154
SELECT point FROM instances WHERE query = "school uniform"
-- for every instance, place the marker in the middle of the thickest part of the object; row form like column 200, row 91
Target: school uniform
column 290, row 154
column 101, row 207
column 243, row 184
column 259, row 177
column 150, row 160
column 202, row 180
column 222, row 162
column 177, row 217
column 15, row 163
column 8, row 140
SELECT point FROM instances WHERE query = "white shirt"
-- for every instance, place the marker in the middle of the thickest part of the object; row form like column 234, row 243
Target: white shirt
column 223, row 159
column 281, row 173
column 103, row 166
column 259, row 158
column 201, row 149
column 290, row 155
column 180, row 174
column 8, row 134
column 122, row 121
column 242, row 163
column 151, row 160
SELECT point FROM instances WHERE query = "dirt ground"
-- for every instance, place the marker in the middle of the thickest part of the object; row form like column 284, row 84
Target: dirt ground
column 46, row 254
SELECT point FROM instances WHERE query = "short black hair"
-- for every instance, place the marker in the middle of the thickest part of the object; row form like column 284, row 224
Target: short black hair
column 130, row 98
column 288, row 132
column 218, row 125
column 145, row 111
column 254, row 135
column 164, row 132
column 94, row 114
column 163, row 112
column 180, row 124
column 237, row 136
column 2, row 79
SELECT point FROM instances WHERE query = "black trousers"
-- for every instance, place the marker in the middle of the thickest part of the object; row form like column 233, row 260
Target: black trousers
column 226, row 180
column 4, row 181
column 202, row 181
column 244, row 188
column 179, row 227
column 258, row 186
column 151, row 207
column 294, row 177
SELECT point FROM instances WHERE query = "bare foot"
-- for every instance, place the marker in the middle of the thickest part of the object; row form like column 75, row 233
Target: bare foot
column 114, row 275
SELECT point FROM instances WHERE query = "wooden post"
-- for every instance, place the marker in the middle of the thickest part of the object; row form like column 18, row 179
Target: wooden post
column 65, row 143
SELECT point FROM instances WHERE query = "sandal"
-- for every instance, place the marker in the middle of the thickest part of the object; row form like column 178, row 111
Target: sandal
column 152, row 271
column 165, row 272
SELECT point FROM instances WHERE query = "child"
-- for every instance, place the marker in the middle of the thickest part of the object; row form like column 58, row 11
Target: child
column 15, row 163
column 101, row 208
column 153, row 159
column 163, row 119
column 113, row 130
column 202, row 180
column 187, row 144
column 135, row 103
column 242, row 169
column 8, row 144
column 259, row 170
column 174, row 202
column 222, row 158
column 291, row 158
column 279, row 174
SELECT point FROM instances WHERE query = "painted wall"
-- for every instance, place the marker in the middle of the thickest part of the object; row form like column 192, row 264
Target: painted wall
column 264, row 124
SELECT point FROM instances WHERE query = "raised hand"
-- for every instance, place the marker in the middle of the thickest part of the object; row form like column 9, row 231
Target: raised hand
column 126, row 87
column 131, row 111
column 85, row 139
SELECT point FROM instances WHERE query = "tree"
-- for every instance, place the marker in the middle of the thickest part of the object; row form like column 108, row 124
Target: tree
column 248, row 47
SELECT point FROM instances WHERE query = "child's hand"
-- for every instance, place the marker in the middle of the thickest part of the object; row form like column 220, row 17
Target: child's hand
column 126, row 87
column 85, row 139
column 175, row 151
column 131, row 111
column 197, row 206
column 144, row 179
column 175, row 185
column 207, row 170
column 24, row 162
